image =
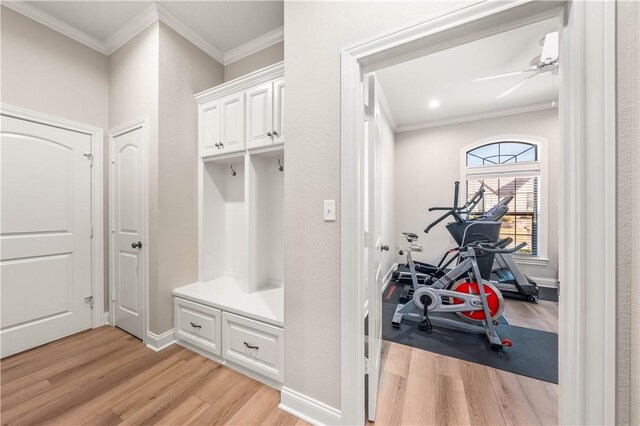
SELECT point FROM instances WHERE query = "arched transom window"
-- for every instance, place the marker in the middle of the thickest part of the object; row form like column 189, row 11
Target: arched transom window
column 508, row 169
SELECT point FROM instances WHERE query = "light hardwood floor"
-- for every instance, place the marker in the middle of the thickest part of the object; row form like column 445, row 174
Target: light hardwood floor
column 423, row 388
column 107, row 377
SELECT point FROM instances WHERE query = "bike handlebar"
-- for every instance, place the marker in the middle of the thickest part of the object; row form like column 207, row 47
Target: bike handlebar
column 494, row 248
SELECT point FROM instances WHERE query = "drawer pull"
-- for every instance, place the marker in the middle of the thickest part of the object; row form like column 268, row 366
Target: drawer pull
column 194, row 325
column 250, row 346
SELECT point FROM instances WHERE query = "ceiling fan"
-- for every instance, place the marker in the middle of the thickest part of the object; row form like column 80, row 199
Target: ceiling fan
column 546, row 62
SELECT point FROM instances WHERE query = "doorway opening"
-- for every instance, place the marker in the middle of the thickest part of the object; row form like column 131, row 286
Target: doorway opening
column 585, row 127
column 463, row 152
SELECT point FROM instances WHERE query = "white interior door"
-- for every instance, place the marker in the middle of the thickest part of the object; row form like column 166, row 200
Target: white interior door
column 374, row 246
column 46, row 234
column 128, row 230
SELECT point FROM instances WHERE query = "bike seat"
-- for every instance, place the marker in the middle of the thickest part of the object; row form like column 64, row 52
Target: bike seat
column 410, row 236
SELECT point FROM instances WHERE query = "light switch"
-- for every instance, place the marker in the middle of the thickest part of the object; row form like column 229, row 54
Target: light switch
column 329, row 210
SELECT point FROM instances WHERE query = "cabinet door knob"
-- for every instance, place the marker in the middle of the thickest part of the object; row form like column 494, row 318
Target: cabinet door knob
column 269, row 134
column 194, row 325
column 217, row 145
column 275, row 133
column 221, row 145
column 250, row 346
column 136, row 245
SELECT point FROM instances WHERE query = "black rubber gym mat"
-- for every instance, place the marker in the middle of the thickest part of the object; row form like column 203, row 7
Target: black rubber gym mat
column 534, row 352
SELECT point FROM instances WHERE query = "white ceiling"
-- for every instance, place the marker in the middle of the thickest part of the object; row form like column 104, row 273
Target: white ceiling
column 226, row 30
column 448, row 77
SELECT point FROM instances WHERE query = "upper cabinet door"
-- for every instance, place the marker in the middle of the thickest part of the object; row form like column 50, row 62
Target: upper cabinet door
column 232, row 119
column 209, row 128
column 259, row 115
column 278, row 111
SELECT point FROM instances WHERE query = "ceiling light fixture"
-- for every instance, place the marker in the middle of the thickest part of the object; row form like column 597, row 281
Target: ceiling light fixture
column 434, row 103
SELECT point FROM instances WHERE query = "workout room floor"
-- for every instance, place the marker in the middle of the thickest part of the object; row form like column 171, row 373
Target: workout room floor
column 422, row 388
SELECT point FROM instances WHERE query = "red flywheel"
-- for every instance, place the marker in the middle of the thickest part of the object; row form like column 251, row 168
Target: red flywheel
column 494, row 299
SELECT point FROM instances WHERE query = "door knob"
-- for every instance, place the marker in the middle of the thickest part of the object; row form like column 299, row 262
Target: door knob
column 217, row 145
column 221, row 145
column 136, row 245
column 275, row 133
column 384, row 247
column 269, row 134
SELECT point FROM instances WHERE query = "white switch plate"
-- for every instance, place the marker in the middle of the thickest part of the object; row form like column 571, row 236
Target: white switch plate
column 329, row 210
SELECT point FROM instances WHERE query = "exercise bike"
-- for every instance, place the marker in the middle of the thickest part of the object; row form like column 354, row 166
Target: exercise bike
column 507, row 276
column 461, row 291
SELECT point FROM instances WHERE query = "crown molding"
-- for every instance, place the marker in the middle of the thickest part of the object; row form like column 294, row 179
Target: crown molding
column 263, row 75
column 135, row 26
column 474, row 117
column 54, row 23
column 178, row 26
column 255, row 45
column 154, row 12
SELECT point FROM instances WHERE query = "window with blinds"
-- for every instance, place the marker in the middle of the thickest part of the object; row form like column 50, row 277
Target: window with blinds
column 521, row 222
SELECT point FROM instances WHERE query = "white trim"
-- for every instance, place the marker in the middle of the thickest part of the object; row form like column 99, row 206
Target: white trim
column 154, row 12
column 253, row 46
column 530, row 260
column 308, row 409
column 128, row 31
column 385, row 283
column 478, row 116
column 272, row 72
column 107, row 318
column 158, row 342
column 143, row 123
column 33, row 12
column 587, row 266
column 97, row 199
column 384, row 106
column 181, row 28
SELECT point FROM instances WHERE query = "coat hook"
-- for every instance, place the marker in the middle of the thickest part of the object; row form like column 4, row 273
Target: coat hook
column 233, row 172
column 280, row 166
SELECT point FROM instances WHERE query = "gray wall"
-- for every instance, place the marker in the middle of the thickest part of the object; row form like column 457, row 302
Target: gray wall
column 254, row 62
column 184, row 71
column 314, row 33
column 428, row 163
column 133, row 94
column 628, row 115
column 45, row 71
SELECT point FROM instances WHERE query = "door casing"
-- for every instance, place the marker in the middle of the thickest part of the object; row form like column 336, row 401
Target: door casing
column 587, row 344
column 97, row 179
column 142, row 122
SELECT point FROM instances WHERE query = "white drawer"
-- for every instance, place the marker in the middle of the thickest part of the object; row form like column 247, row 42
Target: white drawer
column 198, row 324
column 254, row 345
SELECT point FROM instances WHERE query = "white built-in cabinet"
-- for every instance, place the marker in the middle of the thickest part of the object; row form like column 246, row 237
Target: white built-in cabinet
column 234, row 313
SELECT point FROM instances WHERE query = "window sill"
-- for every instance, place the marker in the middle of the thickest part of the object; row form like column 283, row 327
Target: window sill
column 532, row 261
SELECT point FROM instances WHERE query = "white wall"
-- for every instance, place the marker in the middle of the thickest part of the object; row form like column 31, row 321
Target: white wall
column 428, row 163
column 628, row 270
column 45, row 71
column 314, row 33
column 184, row 70
column 263, row 58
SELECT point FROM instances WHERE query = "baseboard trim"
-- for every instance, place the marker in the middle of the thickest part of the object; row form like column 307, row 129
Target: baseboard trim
column 308, row 409
column 545, row 282
column 158, row 342
column 107, row 318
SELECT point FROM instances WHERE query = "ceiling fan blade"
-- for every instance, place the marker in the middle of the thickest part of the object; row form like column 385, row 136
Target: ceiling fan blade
column 550, row 48
column 516, row 86
column 506, row 74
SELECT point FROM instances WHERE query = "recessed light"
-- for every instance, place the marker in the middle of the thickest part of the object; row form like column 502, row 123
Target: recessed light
column 434, row 103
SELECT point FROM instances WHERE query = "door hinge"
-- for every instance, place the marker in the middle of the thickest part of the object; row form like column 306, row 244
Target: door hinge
column 366, row 365
column 90, row 158
column 90, row 300
column 368, row 239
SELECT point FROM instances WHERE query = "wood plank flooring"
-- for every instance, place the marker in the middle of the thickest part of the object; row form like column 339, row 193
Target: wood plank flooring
column 107, row 377
column 423, row 388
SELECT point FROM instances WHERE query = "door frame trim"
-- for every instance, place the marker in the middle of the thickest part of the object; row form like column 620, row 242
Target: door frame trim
column 97, row 199
column 142, row 122
column 588, row 117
